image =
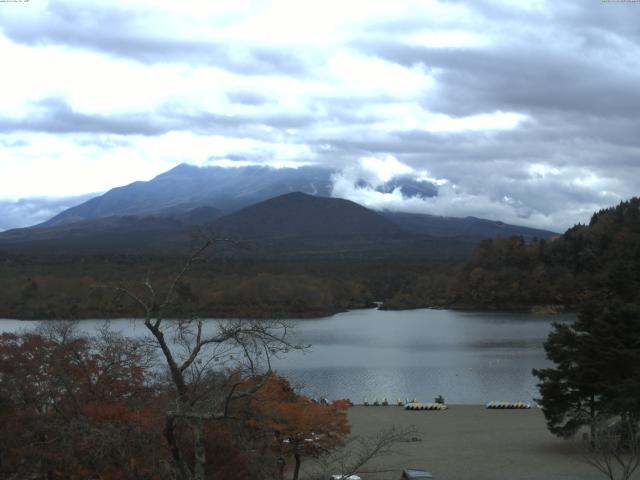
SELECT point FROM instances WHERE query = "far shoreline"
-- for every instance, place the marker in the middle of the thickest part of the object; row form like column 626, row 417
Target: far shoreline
column 543, row 310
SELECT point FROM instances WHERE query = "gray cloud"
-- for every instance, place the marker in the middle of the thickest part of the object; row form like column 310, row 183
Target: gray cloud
column 580, row 96
column 571, row 69
column 120, row 32
column 247, row 98
column 524, row 79
column 234, row 157
column 54, row 115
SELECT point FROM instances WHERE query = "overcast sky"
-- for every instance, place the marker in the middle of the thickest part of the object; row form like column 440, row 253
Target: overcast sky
column 522, row 111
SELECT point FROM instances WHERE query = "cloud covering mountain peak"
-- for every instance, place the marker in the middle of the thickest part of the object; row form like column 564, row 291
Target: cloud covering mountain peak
column 523, row 111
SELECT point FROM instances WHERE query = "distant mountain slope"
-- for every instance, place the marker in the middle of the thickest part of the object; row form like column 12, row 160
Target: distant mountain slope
column 228, row 189
column 127, row 234
column 295, row 217
column 472, row 227
column 290, row 224
column 301, row 215
column 200, row 216
column 188, row 186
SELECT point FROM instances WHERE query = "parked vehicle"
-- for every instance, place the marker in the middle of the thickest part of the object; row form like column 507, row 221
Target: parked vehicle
column 415, row 474
column 342, row 477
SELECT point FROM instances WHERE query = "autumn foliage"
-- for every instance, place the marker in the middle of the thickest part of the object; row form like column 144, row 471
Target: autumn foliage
column 79, row 408
column 300, row 427
column 72, row 409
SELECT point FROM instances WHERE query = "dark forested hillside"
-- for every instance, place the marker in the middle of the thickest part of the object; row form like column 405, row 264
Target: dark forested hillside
column 293, row 224
column 467, row 227
column 301, row 215
column 282, row 274
column 46, row 286
column 600, row 259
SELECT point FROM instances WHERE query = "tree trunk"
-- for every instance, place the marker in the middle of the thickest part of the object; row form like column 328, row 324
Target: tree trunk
column 296, row 471
column 199, row 448
column 170, row 435
column 592, row 424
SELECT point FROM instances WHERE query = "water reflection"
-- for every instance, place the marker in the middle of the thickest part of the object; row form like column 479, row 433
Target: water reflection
column 468, row 357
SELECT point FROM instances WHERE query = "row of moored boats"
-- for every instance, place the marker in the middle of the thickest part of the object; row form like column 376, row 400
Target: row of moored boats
column 440, row 405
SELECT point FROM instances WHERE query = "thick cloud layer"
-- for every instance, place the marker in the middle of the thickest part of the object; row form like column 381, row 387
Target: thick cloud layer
column 524, row 112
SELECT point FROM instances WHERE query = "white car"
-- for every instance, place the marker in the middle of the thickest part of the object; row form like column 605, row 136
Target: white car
column 342, row 477
column 415, row 474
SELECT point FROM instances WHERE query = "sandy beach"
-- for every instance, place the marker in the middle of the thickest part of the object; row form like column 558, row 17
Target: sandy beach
column 474, row 443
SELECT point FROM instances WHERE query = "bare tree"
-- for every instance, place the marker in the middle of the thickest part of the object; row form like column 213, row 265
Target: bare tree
column 613, row 448
column 358, row 452
column 197, row 354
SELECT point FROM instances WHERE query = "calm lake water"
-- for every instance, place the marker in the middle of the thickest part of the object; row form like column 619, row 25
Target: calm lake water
column 468, row 357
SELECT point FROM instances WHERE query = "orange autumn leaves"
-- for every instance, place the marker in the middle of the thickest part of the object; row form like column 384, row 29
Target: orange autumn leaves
column 79, row 407
column 74, row 408
column 300, row 426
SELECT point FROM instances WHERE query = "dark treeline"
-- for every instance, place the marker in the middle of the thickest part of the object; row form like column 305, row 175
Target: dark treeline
column 48, row 287
column 503, row 273
column 594, row 383
column 601, row 259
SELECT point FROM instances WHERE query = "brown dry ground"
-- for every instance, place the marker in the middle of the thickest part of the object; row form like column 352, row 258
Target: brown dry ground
column 474, row 443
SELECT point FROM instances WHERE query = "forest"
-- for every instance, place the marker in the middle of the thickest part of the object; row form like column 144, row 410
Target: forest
column 601, row 259
column 190, row 400
column 59, row 287
column 502, row 273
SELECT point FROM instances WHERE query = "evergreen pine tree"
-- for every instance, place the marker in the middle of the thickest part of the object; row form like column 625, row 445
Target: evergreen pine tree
column 597, row 368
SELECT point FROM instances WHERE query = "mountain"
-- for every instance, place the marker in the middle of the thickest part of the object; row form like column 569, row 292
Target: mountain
column 408, row 186
column 290, row 224
column 186, row 187
column 298, row 215
column 127, row 234
column 471, row 227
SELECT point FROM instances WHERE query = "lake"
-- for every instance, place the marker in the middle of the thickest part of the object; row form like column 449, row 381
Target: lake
column 468, row 357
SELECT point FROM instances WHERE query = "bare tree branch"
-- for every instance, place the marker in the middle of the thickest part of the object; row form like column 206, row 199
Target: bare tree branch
column 614, row 449
column 193, row 357
column 359, row 452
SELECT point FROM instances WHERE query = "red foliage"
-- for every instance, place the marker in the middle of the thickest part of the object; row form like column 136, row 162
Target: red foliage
column 78, row 408
column 71, row 410
column 299, row 426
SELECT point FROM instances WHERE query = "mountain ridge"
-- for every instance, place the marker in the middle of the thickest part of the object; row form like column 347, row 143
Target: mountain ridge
column 298, row 214
column 187, row 185
column 288, row 224
column 228, row 189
